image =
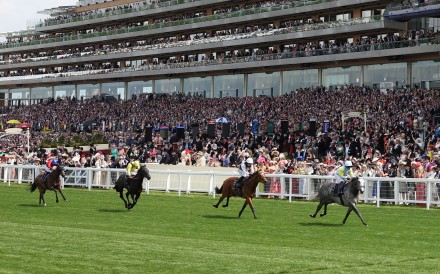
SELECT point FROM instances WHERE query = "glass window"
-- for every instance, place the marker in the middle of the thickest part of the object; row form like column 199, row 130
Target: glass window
column 375, row 74
column 267, row 84
column 198, row 86
column 64, row 91
column 19, row 96
column 41, row 93
column 296, row 79
column 229, row 85
column 87, row 91
column 334, row 77
column 139, row 87
column 4, row 95
column 116, row 90
column 167, row 86
column 425, row 71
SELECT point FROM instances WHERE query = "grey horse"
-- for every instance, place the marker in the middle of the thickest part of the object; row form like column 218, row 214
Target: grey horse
column 348, row 198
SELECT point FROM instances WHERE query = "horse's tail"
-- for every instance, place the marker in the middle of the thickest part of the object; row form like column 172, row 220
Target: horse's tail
column 218, row 190
column 314, row 197
column 33, row 186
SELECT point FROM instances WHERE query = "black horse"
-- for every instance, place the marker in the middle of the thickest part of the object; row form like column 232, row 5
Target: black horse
column 52, row 183
column 348, row 198
column 133, row 186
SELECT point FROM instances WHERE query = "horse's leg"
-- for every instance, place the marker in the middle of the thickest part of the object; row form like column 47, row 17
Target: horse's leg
column 249, row 201
column 348, row 214
column 358, row 214
column 42, row 191
column 56, row 195
column 219, row 201
column 62, row 194
column 121, row 195
column 325, row 211
column 136, row 198
column 318, row 208
column 244, row 206
column 227, row 202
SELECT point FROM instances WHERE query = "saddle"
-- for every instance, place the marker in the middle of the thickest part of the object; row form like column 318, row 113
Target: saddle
column 338, row 190
column 238, row 186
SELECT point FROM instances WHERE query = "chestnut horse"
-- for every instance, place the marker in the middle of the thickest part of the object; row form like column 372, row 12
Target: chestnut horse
column 133, row 186
column 52, row 183
column 348, row 198
column 248, row 190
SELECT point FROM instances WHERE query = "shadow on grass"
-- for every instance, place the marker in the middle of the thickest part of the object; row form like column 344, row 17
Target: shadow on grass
column 219, row 217
column 113, row 210
column 30, row 205
column 319, row 224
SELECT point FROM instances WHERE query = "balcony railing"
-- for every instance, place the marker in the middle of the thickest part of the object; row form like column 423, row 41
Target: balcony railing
column 236, row 60
column 161, row 25
column 260, row 33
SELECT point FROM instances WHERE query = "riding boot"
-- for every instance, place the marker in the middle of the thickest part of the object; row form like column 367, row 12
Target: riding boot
column 238, row 185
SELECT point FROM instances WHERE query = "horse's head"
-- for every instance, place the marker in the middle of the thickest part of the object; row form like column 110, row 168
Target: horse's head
column 144, row 172
column 61, row 171
column 260, row 177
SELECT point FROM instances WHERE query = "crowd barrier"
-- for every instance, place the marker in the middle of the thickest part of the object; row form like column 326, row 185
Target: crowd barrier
column 376, row 190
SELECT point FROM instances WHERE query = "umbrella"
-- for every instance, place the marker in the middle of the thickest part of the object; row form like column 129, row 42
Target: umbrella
column 13, row 122
column 222, row 120
column 24, row 125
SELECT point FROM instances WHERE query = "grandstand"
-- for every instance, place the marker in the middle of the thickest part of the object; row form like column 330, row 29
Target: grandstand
column 227, row 48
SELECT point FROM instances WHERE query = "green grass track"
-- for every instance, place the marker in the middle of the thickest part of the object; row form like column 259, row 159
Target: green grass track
column 164, row 233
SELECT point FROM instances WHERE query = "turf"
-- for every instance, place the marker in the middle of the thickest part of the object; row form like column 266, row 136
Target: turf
column 93, row 233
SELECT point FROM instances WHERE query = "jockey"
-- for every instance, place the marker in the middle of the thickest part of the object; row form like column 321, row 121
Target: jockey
column 245, row 169
column 341, row 174
column 133, row 166
column 51, row 164
column 344, row 171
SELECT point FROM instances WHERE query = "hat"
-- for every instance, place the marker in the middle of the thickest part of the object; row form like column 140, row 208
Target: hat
column 200, row 153
column 375, row 159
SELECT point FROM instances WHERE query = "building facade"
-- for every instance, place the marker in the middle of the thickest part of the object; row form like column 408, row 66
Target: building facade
column 220, row 48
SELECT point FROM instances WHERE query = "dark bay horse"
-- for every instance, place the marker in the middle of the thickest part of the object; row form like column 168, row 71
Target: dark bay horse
column 133, row 186
column 52, row 183
column 349, row 198
column 248, row 190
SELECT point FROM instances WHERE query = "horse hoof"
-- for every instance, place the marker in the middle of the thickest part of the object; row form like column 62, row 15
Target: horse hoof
column 311, row 215
column 224, row 205
column 216, row 206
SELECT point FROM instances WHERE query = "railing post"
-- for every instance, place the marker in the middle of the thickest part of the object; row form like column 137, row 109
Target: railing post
column 309, row 189
column 89, row 178
column 396, row 191
column 377, row 193
column 290, row 189
column 188, row 186
column 180, row 185
column 211, row 184
column 428, row 194
column 20, row 174
column 167, row 189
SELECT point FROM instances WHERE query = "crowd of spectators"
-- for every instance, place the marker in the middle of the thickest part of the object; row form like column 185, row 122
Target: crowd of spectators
column 401, row 139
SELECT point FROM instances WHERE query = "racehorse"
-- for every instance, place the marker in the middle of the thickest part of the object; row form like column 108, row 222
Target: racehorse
column 248, row 190
column 52, row 183
column 348, row 198
column 133, row 186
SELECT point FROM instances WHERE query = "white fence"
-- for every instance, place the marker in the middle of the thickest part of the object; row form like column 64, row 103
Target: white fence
column 422, row 192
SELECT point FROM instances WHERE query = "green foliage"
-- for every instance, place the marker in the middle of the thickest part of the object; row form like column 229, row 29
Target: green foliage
column 164, row 233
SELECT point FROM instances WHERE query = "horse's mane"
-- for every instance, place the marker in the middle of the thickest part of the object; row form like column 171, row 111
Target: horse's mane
column 354, row 186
